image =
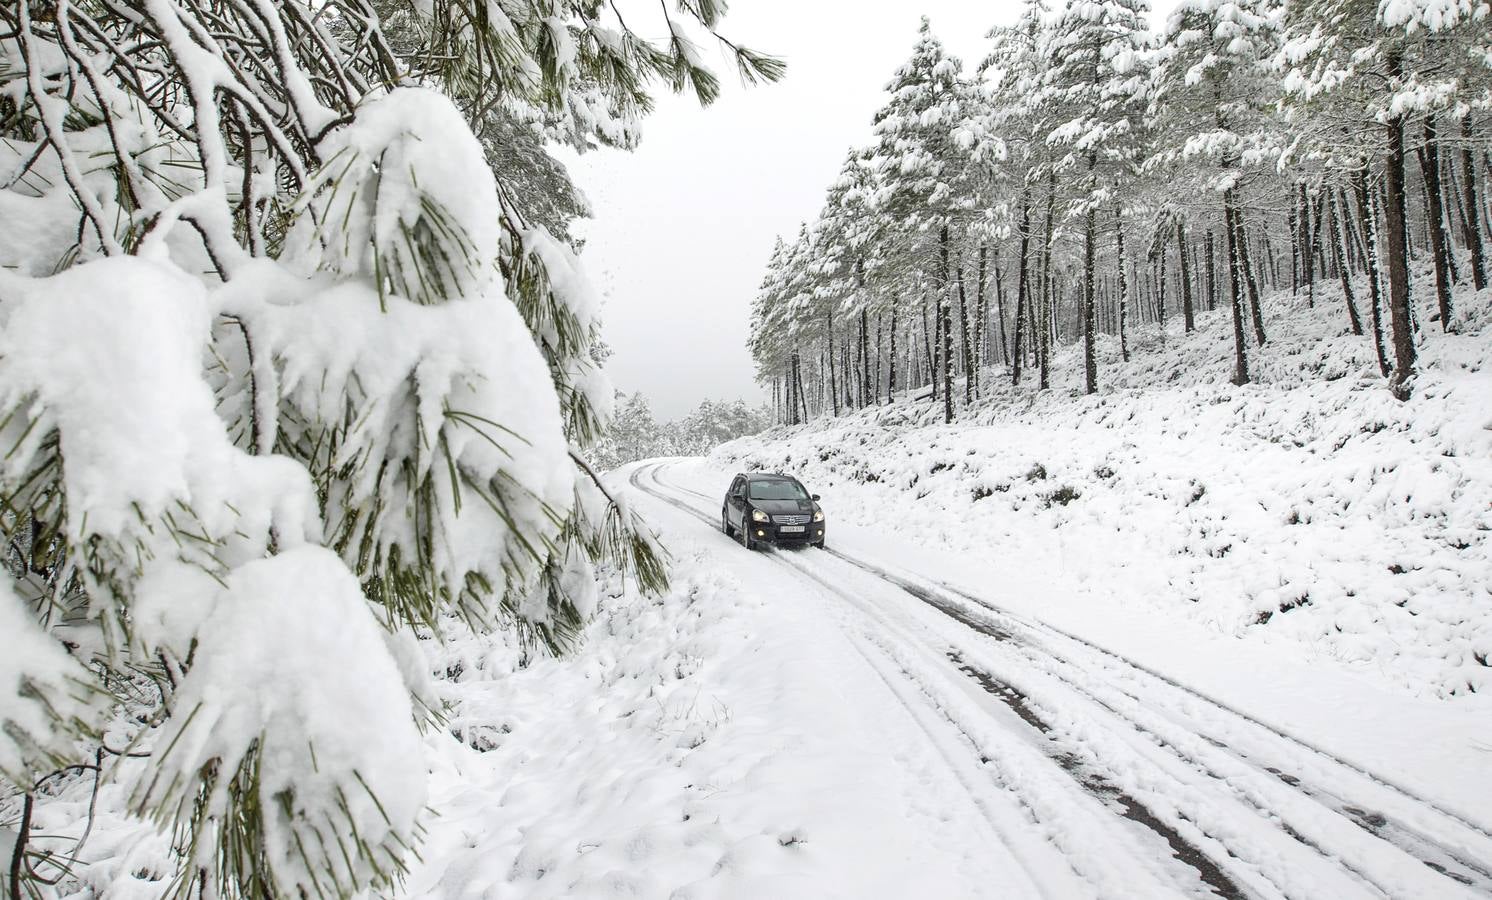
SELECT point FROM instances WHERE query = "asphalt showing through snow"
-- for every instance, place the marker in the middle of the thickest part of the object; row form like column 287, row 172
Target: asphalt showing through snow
column 1171, row 716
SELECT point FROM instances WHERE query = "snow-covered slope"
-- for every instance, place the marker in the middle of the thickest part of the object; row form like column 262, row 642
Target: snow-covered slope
column 1309, row 506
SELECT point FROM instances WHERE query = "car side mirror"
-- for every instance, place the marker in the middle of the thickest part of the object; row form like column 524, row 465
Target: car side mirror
column 814, row 496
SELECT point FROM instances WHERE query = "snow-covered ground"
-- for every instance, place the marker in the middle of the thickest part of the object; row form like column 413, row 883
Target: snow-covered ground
column 794, row 724
column 1309, row 508
column 1111, row 752
column 983, row 691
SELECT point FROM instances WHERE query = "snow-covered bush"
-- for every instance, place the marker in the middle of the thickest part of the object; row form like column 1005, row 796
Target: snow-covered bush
column 295, row 364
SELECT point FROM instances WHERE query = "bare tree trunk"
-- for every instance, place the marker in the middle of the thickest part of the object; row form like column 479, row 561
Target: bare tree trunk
column 1044, row 319
column 1435, row 219
column 833, row 390
column 1211, row 272
column 1188, row 317
column 1248, row 273
column 891, row 360
column 1473, row 231
column 1310, row 234
column 877, row 391
column 1369, row 219
column 1398, row 264
column 1123, row 284
column 1160, row 285
column 865, row 382
column 1339, row 246
column 1295, row 246
column 927, row 349
column 963, row 333
column 1230, row 230
column 981, row 319
column 1022, row 291
column 1090, row 353
column 1000, row 309
column 945, row 317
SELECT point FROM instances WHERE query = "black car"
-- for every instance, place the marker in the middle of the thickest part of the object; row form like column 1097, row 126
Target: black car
column 763, row 508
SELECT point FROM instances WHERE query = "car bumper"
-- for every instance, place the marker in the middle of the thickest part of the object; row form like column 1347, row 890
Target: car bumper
column 812, row 533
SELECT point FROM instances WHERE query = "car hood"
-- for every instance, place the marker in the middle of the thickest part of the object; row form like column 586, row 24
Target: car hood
column 783, row 507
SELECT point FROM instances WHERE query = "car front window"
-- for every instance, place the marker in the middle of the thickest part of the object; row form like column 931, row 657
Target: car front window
column 777, row 490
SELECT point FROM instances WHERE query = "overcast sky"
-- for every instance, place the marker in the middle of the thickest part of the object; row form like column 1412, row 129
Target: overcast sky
column 684, row 225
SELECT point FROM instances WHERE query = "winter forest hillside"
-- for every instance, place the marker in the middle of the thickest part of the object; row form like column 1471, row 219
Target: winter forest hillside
column 1090, row 177
column 1199, row 314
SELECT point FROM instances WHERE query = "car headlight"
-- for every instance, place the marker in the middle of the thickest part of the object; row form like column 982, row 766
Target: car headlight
column 818, row 515
column 759, row 516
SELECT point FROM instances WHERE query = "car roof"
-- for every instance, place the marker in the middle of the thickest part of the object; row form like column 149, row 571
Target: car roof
column 768, row 476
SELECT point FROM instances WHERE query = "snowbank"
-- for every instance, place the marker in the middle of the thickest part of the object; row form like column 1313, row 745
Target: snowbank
column 1308, row 507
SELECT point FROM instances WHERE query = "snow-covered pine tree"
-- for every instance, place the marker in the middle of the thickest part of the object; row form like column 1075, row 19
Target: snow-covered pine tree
column 919, row 166
column 1017, row 67
column 291, row 369
column 1093, row 88
column 1211, row 119
column 1372, row 72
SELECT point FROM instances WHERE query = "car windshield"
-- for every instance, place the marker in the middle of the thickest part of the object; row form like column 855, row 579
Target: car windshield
column 777, row 490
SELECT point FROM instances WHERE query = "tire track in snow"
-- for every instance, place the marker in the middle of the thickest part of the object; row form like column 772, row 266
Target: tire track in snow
column 1455, row 864
column 1459, row 864
column 1214, row 880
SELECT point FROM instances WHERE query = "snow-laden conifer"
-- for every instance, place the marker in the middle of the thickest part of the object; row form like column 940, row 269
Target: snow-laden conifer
column 297, row 362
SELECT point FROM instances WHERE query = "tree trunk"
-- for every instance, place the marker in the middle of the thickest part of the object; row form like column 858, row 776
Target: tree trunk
column 1398, row 263
column 1473, row 230
column 981, row 318
column 1044, row 319
column 792, row 400
column 1160, row 287
column 1294, row 217
column 1090, row 353
column 945, row 317
column 1248, row 273
column 1123, row 284
column 1310, row 234
column 1369, row 219
column 927, row 348
column 833, row 389
column 865, row 383
column 963, row 333
column 1435, row 220
column 1230, row 234
column 891, row 361
column 1211, row 272
column 1339, row 247
column 1000, row 309
column 1022, row 291
column 1188, row 317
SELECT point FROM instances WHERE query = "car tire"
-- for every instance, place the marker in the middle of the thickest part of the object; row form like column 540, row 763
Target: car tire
column 746, row 540
column 818, row 545
column 725, row 524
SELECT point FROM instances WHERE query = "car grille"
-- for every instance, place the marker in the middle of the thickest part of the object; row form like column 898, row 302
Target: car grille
column 790, row 520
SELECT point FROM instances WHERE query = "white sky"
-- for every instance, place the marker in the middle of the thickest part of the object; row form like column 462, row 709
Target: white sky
column 684, row 225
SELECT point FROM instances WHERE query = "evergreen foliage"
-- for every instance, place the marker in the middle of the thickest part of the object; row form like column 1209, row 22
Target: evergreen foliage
column 1096, row 177
column 297, row 364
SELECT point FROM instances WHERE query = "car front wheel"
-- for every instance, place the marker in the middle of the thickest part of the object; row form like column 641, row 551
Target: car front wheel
column 746, row 540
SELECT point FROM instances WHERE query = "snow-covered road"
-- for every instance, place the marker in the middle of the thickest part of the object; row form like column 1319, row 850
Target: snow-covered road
column 1042, row 763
